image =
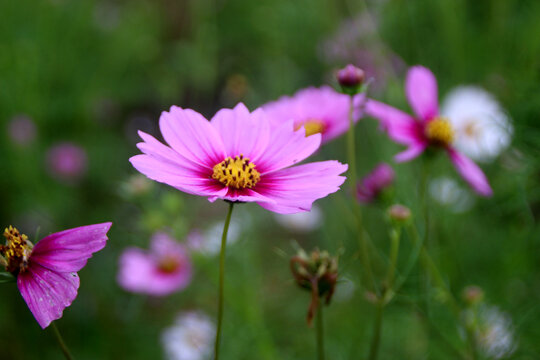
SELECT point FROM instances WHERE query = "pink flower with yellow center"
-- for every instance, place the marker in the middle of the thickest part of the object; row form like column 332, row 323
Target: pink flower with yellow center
column 163, row 270
column 238, row 157
column 47, row 272
column 427, row 128
column 319, row 110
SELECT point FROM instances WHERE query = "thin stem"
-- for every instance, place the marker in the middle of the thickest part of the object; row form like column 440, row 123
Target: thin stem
column 320, row 333
column 395, row 236
column 377, row 328
column 222, row 279
column 364, row 249
column 61, row 342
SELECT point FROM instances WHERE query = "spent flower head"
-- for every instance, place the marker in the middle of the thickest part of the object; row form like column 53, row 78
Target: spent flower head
column 316, row 272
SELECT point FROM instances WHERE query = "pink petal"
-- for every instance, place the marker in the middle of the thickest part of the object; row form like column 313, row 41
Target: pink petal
column 243, row 133
column 295, row 189
column 401, row 127
column 421, row 89
column 192, row 136
column 287, row 147
column 68, row 250
column 470, row 172
column 47, row 293
column 411, row 153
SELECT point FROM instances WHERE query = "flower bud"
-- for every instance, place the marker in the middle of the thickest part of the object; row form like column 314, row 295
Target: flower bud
column 373, row 184
column 473, row 295
column 350, row 78
column 399, row 213
column 317, row 273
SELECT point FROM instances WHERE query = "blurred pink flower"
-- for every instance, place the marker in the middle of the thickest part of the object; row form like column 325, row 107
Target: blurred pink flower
column 427, row 129
column 238, row 157
column 319, row 110
column 47, row 272
column 165, row 269
column 66, row 161
column 376, row 181
column 22, row 130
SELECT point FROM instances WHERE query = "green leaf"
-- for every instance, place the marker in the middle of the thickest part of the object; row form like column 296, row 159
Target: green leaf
column 6, row 277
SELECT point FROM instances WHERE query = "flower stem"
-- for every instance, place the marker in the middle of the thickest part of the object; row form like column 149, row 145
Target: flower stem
column 377, row 327
column 395, row 236
column 364, row 249
column 222, row 279
column 61, row 342
column 320, row 333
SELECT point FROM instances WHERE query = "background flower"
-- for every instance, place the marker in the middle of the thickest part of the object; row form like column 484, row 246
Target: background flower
column 66, row 161
column 483, row 130
column 189, row 338
column 165, row 269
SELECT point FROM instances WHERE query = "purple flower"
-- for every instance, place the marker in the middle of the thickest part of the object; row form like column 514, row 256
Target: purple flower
column 163, row 270
column 376, row 181
column 238, row 156
column 47, row 272
column 66, row 161
column 319, row 110
column 22, row 130
column 427, row 129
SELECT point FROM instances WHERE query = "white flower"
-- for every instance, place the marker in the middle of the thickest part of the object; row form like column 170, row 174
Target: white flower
column 483, row 130
column 301, row 222
column 495, row 333
column 190, row 338
column 447, row 192
column 208, row 242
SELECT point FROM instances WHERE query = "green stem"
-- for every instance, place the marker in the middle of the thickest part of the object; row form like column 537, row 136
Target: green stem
column 222, row 279
column 320, row 333
column 364, row 249
column 395, row 236
column 61, row 342
column 377, row 328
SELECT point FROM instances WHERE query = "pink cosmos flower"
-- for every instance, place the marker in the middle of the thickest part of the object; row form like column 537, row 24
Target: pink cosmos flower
column 372, row 184
column 162, row 271
column 238, row 157
column 66, row 161
column 427, row 129
column 319, row 110
column 47, row 272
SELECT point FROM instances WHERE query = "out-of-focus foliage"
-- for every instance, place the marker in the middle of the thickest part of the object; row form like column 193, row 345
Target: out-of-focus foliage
column 94, row 72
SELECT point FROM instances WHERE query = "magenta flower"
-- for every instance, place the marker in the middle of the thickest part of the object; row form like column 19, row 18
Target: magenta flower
column 427, row 129
column 162, row 271
column 375, row 182
column 47, row 272
column 319, row 110
column 238, row 157
column 66, row 161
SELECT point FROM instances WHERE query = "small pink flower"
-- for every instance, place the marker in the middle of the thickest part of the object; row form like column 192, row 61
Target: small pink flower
column 427, row 129
column 66, row 161
column 372, row 184
column 47, row 272
column 238, row 157
column 319, row 110
column 163, row 270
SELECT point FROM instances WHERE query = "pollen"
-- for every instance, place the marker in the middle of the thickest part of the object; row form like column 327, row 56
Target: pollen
column 237, row 173
column 16, row 251
column 312, row 126
column 439, row 131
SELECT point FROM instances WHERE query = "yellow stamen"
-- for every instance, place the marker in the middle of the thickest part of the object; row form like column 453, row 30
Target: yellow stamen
column 16, row 251
column 440, row 132
column 312, row 126
column 238, row 173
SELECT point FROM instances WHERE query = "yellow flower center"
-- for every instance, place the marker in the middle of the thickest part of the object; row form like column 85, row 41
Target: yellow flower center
column 237, row 173
column 312, row 126
column 17, row 250
column 168, row 264
column 440, row 132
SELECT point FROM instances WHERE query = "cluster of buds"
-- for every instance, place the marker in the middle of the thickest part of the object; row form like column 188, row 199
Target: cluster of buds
column 317, row 273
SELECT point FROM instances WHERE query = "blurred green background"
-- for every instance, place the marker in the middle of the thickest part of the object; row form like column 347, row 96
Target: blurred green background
column 94, row 72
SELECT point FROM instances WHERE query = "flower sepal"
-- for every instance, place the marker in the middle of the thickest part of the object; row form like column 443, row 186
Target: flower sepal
column 6, row 277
